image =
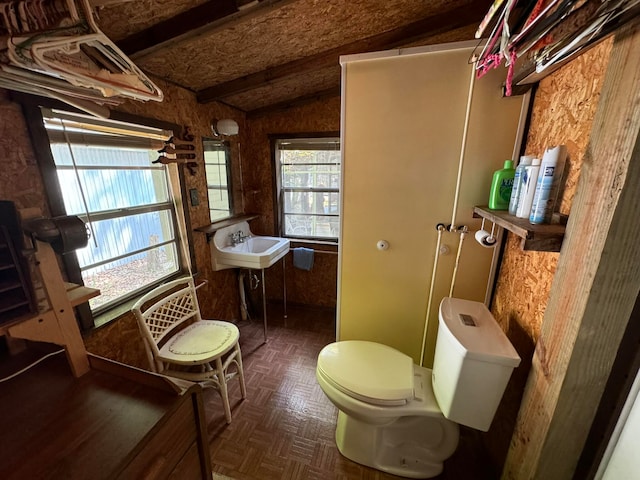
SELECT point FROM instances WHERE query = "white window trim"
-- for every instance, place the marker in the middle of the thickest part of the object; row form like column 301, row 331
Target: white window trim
column 143, row 137
column 306, row 142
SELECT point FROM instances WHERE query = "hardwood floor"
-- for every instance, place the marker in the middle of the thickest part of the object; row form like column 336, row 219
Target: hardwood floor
column 285, row 428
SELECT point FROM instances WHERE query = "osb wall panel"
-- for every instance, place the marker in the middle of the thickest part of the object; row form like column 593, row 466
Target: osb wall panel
column 119, row 340
column 317, row 287
column 218, row 298
column 563, row 111
column 20, row 181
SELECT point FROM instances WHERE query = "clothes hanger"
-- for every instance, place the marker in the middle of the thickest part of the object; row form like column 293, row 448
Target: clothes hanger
column 66, row 58
column 605, row 15
column 84, row 105
column 486, row 58
column 6, row 22
column 130, row 81
column 506, row 31
column 532, row 21
column 487, row 18
column 60, row 54
column 13, row 17
column 545, row 25
column 56, row 49
column 19, row 75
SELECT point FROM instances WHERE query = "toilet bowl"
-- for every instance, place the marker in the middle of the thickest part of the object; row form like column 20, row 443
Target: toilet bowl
column 402, row 418
column 403, row 432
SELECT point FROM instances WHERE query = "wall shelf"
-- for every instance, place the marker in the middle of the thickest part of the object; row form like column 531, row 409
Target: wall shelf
column 215, row 226
column 541, row 238
column 57, row 324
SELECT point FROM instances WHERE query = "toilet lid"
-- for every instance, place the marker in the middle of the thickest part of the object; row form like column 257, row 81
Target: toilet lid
column 368, row 371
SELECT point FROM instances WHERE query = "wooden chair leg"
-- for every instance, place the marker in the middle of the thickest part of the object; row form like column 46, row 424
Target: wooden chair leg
column 222, row 382
column 243, row 388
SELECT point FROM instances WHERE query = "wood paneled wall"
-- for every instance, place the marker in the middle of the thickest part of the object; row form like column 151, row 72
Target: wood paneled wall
column 20, row 179
column 563, row 111
column 219, row 297
column 21, row 182
column 317, row 287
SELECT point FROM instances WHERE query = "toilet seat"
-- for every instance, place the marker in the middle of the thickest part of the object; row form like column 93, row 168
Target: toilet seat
column 370, row 372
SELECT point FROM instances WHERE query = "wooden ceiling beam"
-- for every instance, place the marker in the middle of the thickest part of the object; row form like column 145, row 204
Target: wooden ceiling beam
column 150, row 39
column 427, row 27
column 203, row 19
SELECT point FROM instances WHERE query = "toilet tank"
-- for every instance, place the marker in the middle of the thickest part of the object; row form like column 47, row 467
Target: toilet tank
column 473, row 363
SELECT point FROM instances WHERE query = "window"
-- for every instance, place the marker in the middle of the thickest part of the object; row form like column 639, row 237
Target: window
column 218, row 173
column 309, row 187
column 107, row 178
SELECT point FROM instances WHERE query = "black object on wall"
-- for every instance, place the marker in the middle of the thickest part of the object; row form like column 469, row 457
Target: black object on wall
column 16, row 291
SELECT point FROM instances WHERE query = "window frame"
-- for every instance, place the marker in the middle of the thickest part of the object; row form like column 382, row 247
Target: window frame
column 31, row 107
column 278, row 200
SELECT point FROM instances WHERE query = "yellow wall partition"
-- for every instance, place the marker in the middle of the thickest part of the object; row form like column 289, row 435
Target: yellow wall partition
column 406, row 117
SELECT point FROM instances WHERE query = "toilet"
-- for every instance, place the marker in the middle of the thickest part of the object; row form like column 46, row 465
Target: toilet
column 402, row 418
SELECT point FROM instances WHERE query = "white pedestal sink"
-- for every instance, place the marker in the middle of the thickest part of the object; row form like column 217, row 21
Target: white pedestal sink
column 253, row 252
column 235, row 246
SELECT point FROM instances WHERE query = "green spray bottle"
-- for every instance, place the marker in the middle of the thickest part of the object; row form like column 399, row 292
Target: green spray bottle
column 501, row 187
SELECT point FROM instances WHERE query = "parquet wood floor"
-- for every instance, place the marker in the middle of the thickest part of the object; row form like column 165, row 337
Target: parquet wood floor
column 285, row 428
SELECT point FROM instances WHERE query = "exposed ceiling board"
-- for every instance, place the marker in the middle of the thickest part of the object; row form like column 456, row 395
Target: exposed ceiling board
column 292, row 87
column 297, row 30
column 200, row 21
column 254, row 53
column 118, row 21
column 298, row 88
column 424, row 31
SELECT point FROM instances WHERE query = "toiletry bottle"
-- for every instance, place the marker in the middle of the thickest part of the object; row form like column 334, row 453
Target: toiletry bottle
column 501, row 186
column 548, row 184
column 525, row 160
column 528, row 189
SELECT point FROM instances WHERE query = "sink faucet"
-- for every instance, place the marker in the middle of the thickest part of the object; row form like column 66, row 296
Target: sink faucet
column 238, row 237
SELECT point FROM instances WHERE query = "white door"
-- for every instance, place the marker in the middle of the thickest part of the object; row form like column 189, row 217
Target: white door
column 621, row 460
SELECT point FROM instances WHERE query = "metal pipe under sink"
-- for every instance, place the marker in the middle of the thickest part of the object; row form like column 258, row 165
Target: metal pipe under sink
column 243, row 305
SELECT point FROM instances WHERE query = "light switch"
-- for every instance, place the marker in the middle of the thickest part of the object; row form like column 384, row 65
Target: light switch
column 193, row 195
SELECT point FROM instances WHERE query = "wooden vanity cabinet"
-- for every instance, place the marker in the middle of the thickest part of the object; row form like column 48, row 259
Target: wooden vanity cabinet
column 114, row 422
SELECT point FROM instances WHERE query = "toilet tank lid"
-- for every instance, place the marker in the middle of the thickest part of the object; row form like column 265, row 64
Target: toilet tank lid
column 368, row 369
column 475, row 332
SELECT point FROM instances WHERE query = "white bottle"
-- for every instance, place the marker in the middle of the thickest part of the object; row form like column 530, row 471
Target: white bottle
column 528, row 189
column 548, row 184
column 525, row 160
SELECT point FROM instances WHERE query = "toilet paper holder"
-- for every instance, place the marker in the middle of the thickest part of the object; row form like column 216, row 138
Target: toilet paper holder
column 484, row 238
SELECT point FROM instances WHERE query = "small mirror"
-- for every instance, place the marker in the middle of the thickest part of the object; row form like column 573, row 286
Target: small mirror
column 217, row 165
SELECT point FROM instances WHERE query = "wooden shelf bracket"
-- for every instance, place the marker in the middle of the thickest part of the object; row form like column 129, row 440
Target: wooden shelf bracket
column 541, row 238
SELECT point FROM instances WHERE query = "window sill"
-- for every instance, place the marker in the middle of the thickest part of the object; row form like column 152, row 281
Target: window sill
column 305, row 242
column 113, row 314
column 102, row 319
